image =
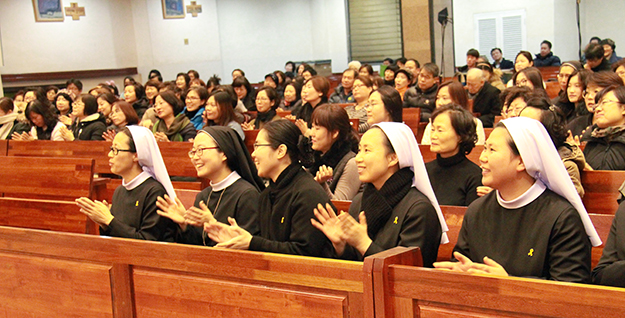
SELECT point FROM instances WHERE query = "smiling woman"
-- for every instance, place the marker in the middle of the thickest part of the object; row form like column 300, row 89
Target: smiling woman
column 172, row 125
column 535, row 224
column 606, row 148
column 220, row 156
column 132, row 213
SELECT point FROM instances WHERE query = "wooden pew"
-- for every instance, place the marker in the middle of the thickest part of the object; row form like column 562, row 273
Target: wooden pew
column 56, row 274
column 250, row 139
column 553, row 88
column 549, row 73
column 174, row 155
column 412, row 118
column 402, row 290
column 601, row 189
column 40, row 192
column 4, row 145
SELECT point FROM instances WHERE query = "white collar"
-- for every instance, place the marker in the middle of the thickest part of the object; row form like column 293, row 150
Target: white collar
column 91, row 117
column 228, row 181
column 137, row 181
column 524, row 199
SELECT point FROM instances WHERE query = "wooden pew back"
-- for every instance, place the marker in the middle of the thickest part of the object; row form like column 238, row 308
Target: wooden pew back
column 412, row 118
column 4, row 145
column 428, row 156
column 549, row 73
column 552, row 88
column 601, row 190
column 104, row 277
column 409, row 291
column 46, row 178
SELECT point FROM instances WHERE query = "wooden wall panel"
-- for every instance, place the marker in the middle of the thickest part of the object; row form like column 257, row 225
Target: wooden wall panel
column 159, row 293
column 38, row 287
column 416, row 30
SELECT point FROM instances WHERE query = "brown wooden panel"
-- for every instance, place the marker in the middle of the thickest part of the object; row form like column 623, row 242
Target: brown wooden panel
column 35, row 286
column 203, row 297
column 31, row 77
column 46, row 178
column 178, row 185
column 176, row 157
column 412, row 118
column 602, row 223
column 250, row 139
column 454, row 215
column 97, row 150
column 342, row 205
column 501, row 295
column 601, row 189
column 4, row 145
column 549, row 73
column 187, row 197
column 552, row 88
column 63, row 216
column 428, row 156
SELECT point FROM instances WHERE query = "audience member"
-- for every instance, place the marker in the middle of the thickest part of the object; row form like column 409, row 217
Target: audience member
column 619, row 68
column 335, row 144
column 135, row 95
column 74, row 86
column 122, row 115
column 414, row 68
column 151, row 91
column 343, row 92
column 193, row 74
column 363, row 86
column 267, row 100
column 472, row 56
column 44, row 125
column 595, row 58
column 366, row 70
column 292, row 100
column 494, row 76
column 573, row 105
column 499, row 61
column 105, row 106
column 195, row 104
column 314, row 93
column 454, row 178
column 384, row 105
column 245, row 92
column 220, row 112
column 397, row 207
column 9, row 124
column 608, row 51
column 423, row 95
column 485, row 97
column 153, row 75
column 606, row 148
column 403, row 78
column 546, row 57
column 136, row 158
column 172, row 124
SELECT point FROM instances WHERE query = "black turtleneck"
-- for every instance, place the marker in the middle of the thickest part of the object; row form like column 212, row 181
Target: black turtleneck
column 454, row 179
column 285, row 209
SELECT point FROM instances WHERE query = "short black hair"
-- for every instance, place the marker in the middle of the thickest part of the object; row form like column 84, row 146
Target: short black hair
column 546, row 42
column 173, row 100
column 495, row 49
column 473, row 52
column 91, row 104
column 594, row 52
column 74, row 81
column 388, row 59
column 595, row 38
column 609, row 42
column 401, row 60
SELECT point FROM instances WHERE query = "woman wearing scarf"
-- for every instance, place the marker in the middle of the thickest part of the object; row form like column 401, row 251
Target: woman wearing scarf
column 267, row 100
column 220, row 155
column 606, row 148
column 398, row 206
column 172, row 125
column 133, row 212
column 535, row 224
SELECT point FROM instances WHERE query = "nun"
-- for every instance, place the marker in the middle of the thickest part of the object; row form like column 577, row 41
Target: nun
column 219, row 155
column 535, row 224
column 133, row 212
column 398, row 206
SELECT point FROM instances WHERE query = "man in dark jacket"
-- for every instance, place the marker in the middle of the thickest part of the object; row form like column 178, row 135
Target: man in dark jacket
column 595, row 59
column 343, row 93
column 472, row 56
column 485, row 97
column 546, row 57
column 498, row 60
column 423, row 95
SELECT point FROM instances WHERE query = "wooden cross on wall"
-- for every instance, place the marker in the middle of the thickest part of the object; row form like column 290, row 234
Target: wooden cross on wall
column 194, row 9
column 74, row 11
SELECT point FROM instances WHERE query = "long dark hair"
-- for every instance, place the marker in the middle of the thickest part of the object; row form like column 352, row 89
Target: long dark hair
column 37, row 107
column 392, row 102
column 223, row 100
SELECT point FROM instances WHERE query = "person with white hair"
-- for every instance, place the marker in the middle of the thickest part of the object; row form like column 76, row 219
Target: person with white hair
column 354, row 65
column 133, row 212
column 535, row 224
column 485, row 97
column 398, row 206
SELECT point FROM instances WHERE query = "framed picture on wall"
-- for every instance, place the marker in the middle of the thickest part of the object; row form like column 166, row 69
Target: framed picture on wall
column 173, row 9
column 48, row 10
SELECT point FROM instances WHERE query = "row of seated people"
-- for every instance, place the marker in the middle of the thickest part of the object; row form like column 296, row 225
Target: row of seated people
column 293, row 214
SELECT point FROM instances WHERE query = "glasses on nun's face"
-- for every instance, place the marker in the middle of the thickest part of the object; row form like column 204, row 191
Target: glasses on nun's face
column 116, row 151
column 199, row 151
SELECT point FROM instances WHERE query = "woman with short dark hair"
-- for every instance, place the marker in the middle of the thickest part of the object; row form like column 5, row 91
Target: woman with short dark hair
column 182, row 81
column 314, row 93
column 385, row 105
column 195, row 104
column 267, row 100
column 292, row 100
column 45, row 126
column 363, row 86
column 88, row 123
column 606, row 148
column 134, row 94
column 454, row 178
column 172, row 124
column 245, row 92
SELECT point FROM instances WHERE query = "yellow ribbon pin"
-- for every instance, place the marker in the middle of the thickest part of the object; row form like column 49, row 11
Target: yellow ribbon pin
column 395, row 220
column 282, row 221
column 137, row 203
column 531, row 253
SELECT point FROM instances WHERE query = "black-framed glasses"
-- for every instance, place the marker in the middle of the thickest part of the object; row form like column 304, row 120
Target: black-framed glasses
column 116, row 151
column 199, row 151
column 256, row 145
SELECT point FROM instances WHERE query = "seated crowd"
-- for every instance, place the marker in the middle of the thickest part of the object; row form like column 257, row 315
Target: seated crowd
column 525, row 213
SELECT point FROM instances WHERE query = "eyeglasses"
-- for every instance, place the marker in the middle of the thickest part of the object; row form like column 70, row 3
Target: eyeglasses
column 256, row 145
column 199, row 151
column 116, row 151
column 605, row 102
